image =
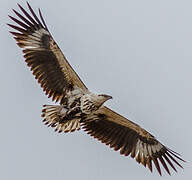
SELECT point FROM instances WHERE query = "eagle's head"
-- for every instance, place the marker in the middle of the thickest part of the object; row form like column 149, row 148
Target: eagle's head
column 98, row 99
column 101, row 98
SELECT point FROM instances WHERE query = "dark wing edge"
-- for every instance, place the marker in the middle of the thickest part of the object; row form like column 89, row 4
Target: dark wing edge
column 42, row 54
column 130, row 139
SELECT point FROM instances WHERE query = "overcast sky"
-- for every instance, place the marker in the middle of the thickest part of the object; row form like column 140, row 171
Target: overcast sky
column 140, row 52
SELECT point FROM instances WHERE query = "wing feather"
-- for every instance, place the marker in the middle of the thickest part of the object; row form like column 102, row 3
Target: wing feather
column 43, row 56
column 124, row 135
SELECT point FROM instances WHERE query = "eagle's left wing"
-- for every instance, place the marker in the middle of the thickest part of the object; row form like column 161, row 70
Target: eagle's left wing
column 122, row 134
column 43, row 56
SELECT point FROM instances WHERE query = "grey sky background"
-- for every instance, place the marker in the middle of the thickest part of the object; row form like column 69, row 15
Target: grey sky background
column 140, row 52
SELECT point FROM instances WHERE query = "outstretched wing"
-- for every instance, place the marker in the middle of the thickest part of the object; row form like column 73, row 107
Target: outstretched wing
column 43, row 55
column 121, row 134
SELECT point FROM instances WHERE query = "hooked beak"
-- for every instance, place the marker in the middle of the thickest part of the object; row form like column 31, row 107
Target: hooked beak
column 109, row 97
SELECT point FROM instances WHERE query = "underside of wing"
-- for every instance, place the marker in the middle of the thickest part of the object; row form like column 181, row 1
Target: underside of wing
column 43, row 56
column 124, row 135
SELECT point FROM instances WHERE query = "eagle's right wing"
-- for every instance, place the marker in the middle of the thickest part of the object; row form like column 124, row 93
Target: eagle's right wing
column 122, row 134
column 43, row 55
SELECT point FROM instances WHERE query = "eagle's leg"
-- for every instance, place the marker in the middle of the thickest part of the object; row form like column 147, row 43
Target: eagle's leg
column 72, row 113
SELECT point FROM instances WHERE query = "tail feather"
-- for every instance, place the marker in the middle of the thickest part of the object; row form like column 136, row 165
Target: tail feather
column 53, row 117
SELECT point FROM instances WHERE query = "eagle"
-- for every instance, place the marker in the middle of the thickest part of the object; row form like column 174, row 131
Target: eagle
column 77, row 107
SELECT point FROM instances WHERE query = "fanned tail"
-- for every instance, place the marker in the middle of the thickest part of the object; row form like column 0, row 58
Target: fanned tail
column 54, row 117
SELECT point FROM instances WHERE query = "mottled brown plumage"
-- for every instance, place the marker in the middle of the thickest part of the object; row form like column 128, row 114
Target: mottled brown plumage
column 78, row 106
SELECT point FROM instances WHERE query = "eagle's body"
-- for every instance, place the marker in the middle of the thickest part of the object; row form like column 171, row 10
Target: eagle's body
column 79, row 107
column 76, row 106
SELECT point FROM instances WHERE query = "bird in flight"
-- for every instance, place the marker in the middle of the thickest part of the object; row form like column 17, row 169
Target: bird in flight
column 79, row 108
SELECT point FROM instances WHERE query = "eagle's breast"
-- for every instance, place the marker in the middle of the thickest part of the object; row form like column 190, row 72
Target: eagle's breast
column 87, row 104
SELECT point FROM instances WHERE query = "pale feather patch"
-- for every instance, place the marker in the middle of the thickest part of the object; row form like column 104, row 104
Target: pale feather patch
column 149, row 150
column 157, row 147
column 33, row 41
column 30, row 47
column 77, row 92
column 34, row 37
column 138, row 148
column 143, row 150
